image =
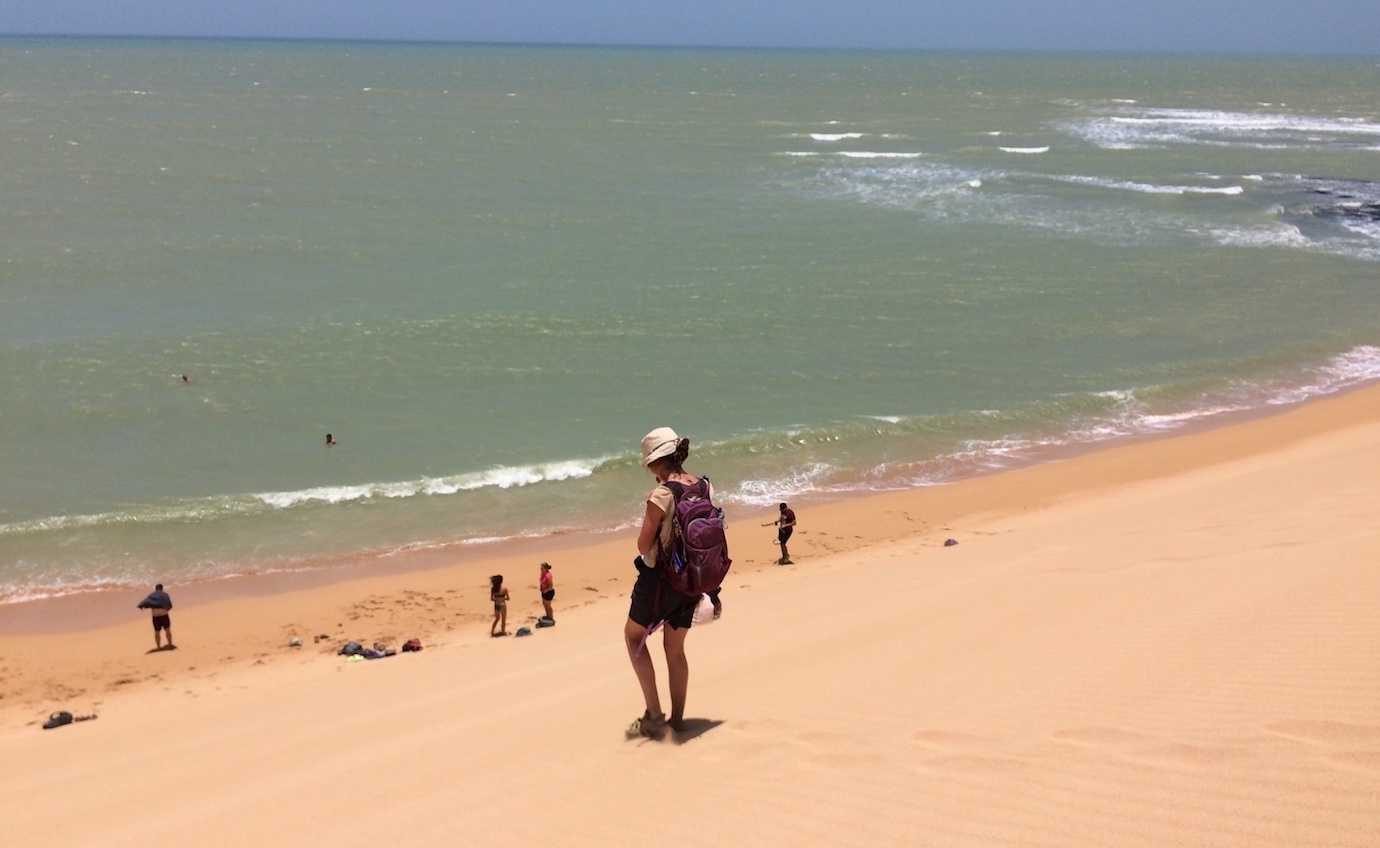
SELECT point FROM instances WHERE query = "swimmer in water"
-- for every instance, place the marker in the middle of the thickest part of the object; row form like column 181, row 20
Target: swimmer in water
column 330, row 441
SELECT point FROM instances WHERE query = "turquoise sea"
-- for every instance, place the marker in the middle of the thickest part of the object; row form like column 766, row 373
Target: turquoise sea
column 488, row 270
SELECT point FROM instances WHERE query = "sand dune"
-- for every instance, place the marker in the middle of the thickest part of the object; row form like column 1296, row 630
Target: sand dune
column 1190, row 659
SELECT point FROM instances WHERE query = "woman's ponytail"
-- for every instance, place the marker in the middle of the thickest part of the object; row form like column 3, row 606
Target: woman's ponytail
column 682, row 451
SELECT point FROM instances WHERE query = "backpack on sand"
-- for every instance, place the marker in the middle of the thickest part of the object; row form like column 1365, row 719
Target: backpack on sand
column 698, row 559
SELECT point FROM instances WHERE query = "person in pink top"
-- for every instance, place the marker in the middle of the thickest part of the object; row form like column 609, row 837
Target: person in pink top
column 548, row 590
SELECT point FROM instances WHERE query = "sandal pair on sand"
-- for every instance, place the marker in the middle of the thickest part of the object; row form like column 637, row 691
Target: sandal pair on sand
column 650, row 726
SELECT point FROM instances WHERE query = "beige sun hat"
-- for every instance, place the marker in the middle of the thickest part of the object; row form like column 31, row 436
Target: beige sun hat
column 660, row 442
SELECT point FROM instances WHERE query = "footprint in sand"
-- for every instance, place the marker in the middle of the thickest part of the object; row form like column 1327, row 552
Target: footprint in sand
column 846, row 759
column 1326, row 732
column 1366, row 760
column 1183, row 754
column 1100, row 736
column 978, row 764
column 948, row 740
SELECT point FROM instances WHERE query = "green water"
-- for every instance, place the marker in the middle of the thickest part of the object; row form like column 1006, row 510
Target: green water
column 489, row 270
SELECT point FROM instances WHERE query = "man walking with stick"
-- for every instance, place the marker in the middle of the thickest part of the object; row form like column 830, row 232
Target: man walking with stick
column 785, row 526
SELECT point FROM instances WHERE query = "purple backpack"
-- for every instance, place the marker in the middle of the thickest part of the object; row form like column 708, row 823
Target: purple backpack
column 698, row 559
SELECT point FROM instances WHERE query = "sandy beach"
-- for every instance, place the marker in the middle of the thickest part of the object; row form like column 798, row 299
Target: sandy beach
column 1166, row 642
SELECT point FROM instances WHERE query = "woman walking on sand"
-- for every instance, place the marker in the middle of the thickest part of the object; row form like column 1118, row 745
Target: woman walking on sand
column 653, row 601
column 498, row 593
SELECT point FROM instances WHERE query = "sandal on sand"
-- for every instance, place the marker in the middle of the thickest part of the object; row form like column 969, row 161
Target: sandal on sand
column 648, row 725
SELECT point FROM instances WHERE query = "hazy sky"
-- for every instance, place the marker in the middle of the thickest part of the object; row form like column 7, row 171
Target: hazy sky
column 1265, row 25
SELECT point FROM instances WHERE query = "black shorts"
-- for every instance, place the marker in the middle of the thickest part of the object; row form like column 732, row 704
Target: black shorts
column 672, row 607
column 784, row 534
column 161, row 622
column 549, row 595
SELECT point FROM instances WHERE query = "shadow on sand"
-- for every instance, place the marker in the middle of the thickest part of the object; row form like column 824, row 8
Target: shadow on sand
column 161, row 650
column 694, row 728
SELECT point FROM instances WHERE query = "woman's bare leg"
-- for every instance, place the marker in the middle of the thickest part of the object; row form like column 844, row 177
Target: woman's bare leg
column 503, row 626
column 678, row 669
column 634, row 636
column 547, row 605
column 493, row 628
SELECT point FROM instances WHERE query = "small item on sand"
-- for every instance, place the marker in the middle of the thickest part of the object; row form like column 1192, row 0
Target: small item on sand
column 949, row 543
column 648, row 726
column 546, row 622
column 355, row 658
column 64, row 718
column 523, row 631
column 295, row 642
column 350, row 649
column 320, row 637
column 412, row 645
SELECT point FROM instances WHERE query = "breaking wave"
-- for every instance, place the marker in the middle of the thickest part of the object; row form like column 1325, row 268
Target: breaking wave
column 1127, row 128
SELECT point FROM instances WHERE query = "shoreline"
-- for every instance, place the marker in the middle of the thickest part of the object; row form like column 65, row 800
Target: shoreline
column 85, row 609
column 77, row 649
column 979, row 456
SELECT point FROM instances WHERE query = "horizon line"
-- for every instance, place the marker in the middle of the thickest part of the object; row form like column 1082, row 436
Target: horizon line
column 632, row 45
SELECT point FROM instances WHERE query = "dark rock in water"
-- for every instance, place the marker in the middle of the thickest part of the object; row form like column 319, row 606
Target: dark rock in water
column 949, row 543
column 1348, row 200
column 1355, row 212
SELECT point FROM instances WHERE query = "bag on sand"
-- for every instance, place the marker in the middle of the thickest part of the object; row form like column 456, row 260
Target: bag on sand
column 698, row 559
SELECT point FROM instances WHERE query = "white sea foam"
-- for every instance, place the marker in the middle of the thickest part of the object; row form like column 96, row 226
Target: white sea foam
column 1029, row 150
column 830, row 137
column 1366, row 229
column 878, row 154
column 1355, row 367
column 1124, row 100
column 505, row 477
column 806, row 479
column 994, row 132
column 1146, row 188
column 975, row 184
column 797, row 153
column 1247, row 122
column 889, row 419
column 1255, row 178
column 1275, row 235
column 939, row 190
column 1134, row 128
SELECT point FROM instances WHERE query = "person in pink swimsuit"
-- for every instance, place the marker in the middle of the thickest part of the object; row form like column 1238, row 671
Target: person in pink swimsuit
column 548, row 590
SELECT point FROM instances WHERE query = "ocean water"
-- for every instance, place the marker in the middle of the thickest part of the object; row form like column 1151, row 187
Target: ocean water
column 489, row 270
